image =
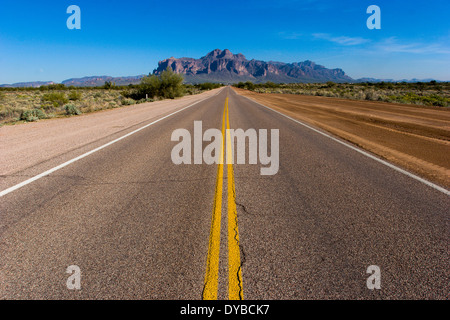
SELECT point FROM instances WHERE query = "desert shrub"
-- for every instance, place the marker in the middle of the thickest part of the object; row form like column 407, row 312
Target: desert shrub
column 189, row 91
column 270, row 84
column 246, row 85
column 7, row 112
column 32, row 115
column 171, row 84
column 208, row 86
column 72, row 110
column 145, row 100
column 249, row 85
column 74, row 95
column 112, row 104
column 435, row 100
column 371, row 95
column 109, row 85
column 150, row 86
column 360, row 95
column 56, row 86
column 240, row 85
column 128, row 101
column 167, row 85
column 87, row 107
column 429, row 100
column 125, row 94
column 57, row 99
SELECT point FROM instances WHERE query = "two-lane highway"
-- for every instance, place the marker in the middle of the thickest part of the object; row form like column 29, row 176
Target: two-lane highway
column 141, row 227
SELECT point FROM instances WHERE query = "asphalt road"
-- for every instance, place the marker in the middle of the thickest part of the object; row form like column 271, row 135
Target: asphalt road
column 140, row 227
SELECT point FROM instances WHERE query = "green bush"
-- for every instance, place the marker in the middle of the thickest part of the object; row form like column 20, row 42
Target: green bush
column 109, row 85
column 428, row 100
column 248, row 85
column 208, row 86
column 149, row 87
column 7, row 112
column 32, row 115
column 72, row 110
column 270, row 84
column 145, row 100
column 435, row 100
column 167, row 85
column 128, row 102
column 171, row 84
column 57, row 99
column 74, row 95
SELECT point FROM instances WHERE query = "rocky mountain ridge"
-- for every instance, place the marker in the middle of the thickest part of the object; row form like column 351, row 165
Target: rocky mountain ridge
column 224, row 66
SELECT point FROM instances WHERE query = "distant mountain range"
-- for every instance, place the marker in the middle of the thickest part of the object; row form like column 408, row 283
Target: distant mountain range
column 226, row 67
column 33, row 84
column 93, row 81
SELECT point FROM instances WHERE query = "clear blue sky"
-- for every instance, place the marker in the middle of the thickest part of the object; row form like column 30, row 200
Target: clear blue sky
column 120, row 38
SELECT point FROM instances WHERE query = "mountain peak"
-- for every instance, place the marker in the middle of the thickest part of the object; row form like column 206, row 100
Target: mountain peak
column 214, row 53
column 226, row 54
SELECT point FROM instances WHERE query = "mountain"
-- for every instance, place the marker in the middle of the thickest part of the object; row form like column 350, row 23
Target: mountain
column 34, row 84
column 414, row 80
column 95, row 81
column 226, row 67
column 92, row 81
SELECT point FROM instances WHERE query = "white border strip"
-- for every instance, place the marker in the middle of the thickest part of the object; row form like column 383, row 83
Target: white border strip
column 390, row 165
column 46, row 173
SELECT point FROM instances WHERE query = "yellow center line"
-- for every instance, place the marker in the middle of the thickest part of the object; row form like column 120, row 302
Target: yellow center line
column 212, row 264
column 235, row 287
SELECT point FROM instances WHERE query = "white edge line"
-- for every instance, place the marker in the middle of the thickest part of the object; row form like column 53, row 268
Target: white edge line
column 390, row 165
column 46, row 173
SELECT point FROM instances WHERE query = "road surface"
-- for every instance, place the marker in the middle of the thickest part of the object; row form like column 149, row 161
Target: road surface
column 139, row 226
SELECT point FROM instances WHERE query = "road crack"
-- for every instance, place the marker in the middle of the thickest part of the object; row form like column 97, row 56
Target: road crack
column 241, row 248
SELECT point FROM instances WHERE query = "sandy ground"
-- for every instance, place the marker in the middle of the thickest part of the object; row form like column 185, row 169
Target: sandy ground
column 414, row 137
column 26, row 145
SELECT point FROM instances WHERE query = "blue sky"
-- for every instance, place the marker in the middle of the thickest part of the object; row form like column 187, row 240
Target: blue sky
column 121, row 38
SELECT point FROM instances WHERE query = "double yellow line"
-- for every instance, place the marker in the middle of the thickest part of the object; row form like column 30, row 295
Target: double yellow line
column 235, row 286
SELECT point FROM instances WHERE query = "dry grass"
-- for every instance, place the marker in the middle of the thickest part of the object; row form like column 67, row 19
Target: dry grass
column 427, row 94
column 16, row 104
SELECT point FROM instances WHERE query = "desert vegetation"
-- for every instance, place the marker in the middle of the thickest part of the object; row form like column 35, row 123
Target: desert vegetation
column 420, row 93
column 32, row 104
column 168, row 85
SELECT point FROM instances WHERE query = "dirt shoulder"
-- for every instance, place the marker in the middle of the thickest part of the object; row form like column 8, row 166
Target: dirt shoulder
column 414, row 137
